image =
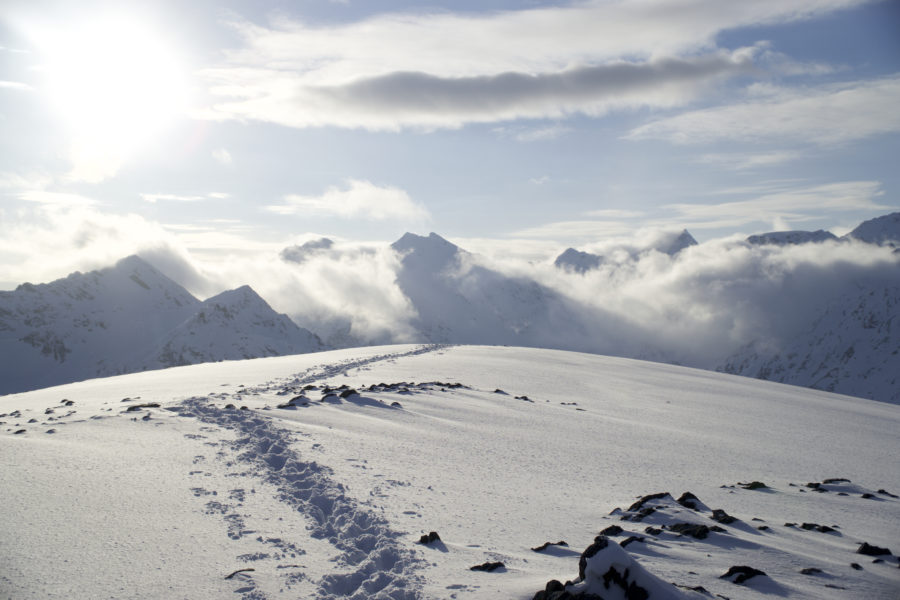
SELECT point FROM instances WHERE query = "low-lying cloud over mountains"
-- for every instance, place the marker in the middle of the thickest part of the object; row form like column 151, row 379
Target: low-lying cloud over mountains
column 801, row 307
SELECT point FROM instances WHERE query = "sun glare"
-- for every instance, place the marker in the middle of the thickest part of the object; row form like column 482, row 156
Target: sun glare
column 114, row 83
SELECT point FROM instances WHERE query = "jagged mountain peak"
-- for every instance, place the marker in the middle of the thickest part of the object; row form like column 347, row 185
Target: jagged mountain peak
column 674, row 243
column 577, row 261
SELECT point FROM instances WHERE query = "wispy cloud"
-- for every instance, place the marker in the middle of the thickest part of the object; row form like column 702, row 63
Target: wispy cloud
column 575, row 231
column 409, row 70
column 15, row 85
column 359, row 200
column 825, row 115
column 153, row 198
column 736, row 161
column 795, row 203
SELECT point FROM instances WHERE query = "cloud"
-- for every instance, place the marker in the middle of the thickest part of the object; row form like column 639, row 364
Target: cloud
column 825, row 115
column 433, row 70
column 222, row 156
column 789, row 203
column 57, row 199
column 737, row 161
column 360, row 200
column 15, row 85
column 575, row 231
column 422, row 100
column 154, row 198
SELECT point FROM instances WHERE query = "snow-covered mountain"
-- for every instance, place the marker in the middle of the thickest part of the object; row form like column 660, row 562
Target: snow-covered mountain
column 127, row 318
column 578, row 261
column 783, row 238
column 852, row 347
column 884, row 231
column 459, row 301
column 323, row 476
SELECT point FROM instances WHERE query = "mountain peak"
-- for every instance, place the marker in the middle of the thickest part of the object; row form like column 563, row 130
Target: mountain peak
column 577, row 261
column 673, row 243
column 883, row 230
column 432, row 252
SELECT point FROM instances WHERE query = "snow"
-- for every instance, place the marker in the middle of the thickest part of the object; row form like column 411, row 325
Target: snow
column 329, row 499
column 884, row 230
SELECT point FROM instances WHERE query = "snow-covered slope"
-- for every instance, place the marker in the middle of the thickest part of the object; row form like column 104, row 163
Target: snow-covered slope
column 127, row 318
column 851, row 348
column 782, row 238
column 271, row 478
column 884, row 231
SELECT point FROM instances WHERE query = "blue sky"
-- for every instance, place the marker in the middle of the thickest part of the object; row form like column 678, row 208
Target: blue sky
column 218, row 129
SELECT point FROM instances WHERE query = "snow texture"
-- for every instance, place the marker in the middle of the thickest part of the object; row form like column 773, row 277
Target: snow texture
column 316, row 475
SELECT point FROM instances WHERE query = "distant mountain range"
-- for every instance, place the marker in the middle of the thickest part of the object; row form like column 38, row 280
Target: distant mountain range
column 129, row 318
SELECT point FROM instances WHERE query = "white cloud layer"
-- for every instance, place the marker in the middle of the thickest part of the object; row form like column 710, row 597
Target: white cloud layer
column 360, row 200
column 825, row 115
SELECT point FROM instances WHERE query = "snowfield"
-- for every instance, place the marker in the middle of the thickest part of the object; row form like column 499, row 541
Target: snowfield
column 316, row 475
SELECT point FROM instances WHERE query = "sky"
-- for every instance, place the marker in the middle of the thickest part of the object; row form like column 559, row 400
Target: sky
column 216, row 131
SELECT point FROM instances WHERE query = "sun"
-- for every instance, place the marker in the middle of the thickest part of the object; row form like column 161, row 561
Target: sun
column 113, row 82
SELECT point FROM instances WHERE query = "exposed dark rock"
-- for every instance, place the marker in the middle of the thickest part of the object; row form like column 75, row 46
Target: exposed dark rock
column 631, row 539
column 810, row 571
column 836, row 480
column 817, row 527
column 244, row 408
column 68, row 402
column 18, row 431
column 239, row 571
column 741, row 573
column 870, row 550
column 546, row 545
column 640, row 503
column 887, row 493
column 32, row 420
column 499, row 391
column 632, row 590
column 754, row 485
column 700, row 532
column 653, row 530
column 487, row 566
column 856, row 566
column 763, row 528
column 349, row 392
column 868, row 496
column 396, row 404
column 612, row 530
column 227, row 407
column 720, row 516
column 688, row 500
column 600, row 543
column 135, row 407
column 50, row 431
column 431, row 536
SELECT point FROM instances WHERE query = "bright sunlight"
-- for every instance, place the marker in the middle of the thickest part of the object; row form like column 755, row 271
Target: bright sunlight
column 114, row 83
